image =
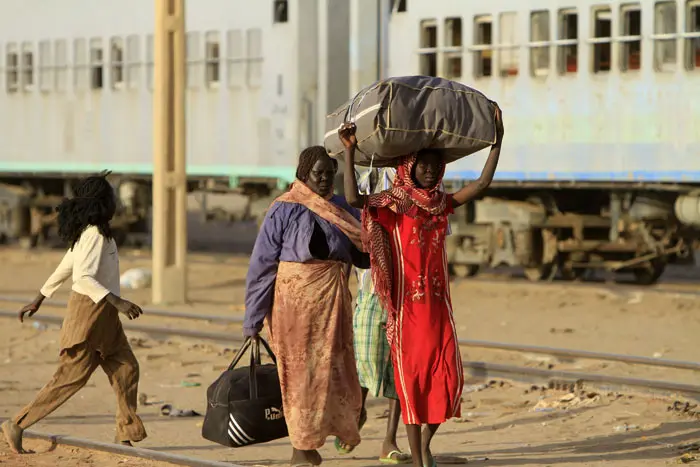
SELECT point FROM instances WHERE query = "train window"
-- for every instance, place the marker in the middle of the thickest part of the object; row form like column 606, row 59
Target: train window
column 235, row 58
column 60, row 55
column 133, row 61
column 194, row 60
column 508, row 43
column 602, row 40
column 80, row 63
column 45, row 66
column 255, row 57
column 97, row 65
column 281, row 11
column 11, row 68
column 539, row 43
column 428, row 47
column 567, row 42
column 692, row 35
column 453, row 48
column 631, row 37
column 665, row 36
column 116, row 62
column 213, row 58
column 483, row 46
column 150, row 78
column 399, row 6
column 27, row 66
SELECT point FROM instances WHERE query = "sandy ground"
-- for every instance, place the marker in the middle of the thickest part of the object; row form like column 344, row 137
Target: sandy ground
column 509, row 425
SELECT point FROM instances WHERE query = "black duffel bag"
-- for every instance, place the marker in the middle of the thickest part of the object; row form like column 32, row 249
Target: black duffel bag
column 244, row 405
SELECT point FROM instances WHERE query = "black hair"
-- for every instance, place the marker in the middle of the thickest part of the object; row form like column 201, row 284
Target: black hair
column 93, row 203
column 308, row 158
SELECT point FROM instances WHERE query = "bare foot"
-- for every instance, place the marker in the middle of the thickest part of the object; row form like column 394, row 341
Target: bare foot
column 391, row 451
column 126, row 443
column 13, row 436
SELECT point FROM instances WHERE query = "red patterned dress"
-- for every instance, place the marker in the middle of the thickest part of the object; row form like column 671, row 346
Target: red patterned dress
column 406, row 229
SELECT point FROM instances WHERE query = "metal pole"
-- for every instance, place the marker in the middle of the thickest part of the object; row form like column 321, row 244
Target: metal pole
column 169, row 171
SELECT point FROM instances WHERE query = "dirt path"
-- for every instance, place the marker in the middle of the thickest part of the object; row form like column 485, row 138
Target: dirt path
column 505, row 424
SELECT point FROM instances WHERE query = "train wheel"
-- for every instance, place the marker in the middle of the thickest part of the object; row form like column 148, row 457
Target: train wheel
column 464, row 270
column 650, row 273
column 573, row 274
column 544, row 272
column 29, row 242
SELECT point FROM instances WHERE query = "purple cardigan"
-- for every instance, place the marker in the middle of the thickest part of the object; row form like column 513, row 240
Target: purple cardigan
column 285, row 236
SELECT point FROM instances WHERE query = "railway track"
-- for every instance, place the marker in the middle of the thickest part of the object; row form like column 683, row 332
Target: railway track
column 484, row 370
column 140, row 453
column 556, row 379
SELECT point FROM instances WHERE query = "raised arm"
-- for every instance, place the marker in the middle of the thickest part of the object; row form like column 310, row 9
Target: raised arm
column 352, row 194
column 262, row 272
column 478, row 186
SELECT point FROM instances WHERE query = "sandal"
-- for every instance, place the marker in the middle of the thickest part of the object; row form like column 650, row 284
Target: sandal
column 396, row 458
column 339, row 444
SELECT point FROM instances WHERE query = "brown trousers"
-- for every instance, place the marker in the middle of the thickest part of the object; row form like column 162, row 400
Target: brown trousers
column 76, row 365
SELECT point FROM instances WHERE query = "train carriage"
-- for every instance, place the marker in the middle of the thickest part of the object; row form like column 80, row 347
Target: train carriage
column 601, row 166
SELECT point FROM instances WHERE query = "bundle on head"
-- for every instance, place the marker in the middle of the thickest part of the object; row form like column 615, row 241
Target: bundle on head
column 93, row 203
column 307, row 160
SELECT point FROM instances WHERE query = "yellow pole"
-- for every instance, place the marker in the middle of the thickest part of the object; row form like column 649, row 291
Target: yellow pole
column 169, row 171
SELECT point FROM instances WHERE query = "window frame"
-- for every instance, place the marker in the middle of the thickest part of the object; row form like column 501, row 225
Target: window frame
column 481, row 50
column 544, row 46
column 597, row 41
column 12, row 71
column 562, row 44
column 428, row 52
column 236, row 61
column 254, row 75
column 452, row 51
column 691, row 63
column 511, row 46
column 212, row 65
column 61, row 65
column 117, row 65
column 624, row 39
column 27, row 68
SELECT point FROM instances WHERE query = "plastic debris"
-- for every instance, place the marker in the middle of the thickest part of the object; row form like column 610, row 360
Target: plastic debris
column 138, row 278
column 169, row 411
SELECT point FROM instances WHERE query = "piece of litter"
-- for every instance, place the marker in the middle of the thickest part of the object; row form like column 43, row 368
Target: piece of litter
column 190, row 384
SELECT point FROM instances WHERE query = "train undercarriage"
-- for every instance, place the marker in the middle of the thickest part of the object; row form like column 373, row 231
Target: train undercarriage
column 549, row 231
column 573, row 231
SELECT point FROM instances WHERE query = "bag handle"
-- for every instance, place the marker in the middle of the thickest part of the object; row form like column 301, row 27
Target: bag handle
column 252, row 343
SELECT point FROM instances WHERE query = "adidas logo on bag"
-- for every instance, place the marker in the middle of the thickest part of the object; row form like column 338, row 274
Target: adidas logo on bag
column 273, row 413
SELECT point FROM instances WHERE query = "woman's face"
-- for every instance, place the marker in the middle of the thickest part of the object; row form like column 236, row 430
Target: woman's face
column 427, row 170
column 322, row 177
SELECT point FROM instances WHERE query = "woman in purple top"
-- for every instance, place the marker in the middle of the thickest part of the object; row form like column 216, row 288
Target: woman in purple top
column 298, row 280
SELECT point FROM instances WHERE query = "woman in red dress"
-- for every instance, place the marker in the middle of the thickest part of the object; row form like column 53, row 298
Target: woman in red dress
column 405, row 230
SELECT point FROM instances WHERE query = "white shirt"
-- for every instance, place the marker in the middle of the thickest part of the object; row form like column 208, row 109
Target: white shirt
column 94, row 264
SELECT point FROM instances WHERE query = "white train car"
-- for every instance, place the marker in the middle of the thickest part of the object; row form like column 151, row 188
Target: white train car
column 602, row 149
column 76, row 81
column 601, row 166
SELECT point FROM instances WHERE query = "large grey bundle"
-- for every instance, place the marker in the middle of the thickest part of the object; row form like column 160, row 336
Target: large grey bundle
column 402, row 115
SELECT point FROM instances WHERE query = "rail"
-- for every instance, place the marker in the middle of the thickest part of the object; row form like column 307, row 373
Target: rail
column 141, row 453
column 481, row 368
column 553, row 351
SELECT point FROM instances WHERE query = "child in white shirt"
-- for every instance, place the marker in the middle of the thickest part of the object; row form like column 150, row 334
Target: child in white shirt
column 92, row 334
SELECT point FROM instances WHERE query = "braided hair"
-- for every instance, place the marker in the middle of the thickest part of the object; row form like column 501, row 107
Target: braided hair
column 308, row 158
column 93, row 203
